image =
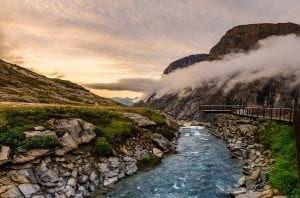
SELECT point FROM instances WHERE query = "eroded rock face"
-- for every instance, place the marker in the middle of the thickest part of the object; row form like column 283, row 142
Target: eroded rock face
column 245, row 37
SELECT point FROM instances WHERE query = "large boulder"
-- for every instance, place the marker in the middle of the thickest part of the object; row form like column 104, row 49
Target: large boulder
column 75, row 131
column 140, row 120
column 81, row 131
column 161, row 141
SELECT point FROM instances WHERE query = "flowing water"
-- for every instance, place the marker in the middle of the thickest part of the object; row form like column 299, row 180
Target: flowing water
column 201, row 168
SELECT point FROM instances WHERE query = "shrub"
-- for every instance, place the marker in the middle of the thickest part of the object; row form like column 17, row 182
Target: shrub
column 103, row 148
column 148, row 162
column 12, row 137
column 280, row 139
column 118, row 129
column 283, row 179
column 38, row 142
column 167, row 133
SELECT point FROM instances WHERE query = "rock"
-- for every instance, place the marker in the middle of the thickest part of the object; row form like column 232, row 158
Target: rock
column 39, row 128
column 74, row 173
column 69, row 191
column 131, row 168
column 109, row 182
column 10, row 191
column 4, row 154
column 68, row 144
column 83, row 179
column 250, row 194
column 140, row 120
column 239, row 191
column 161, row 141
column 114, row 162
column 17, row 177
column 185, row 62
column 29, row 189
column 71, row 182
column 81, row 131
column 242, row 181
column 255, row 175
column 93, row 176
column 103, row 167
column 157, row 152
column 266, row 194
column 49, row 175
column 30, row 155
column 112, row 173
column 29, row 134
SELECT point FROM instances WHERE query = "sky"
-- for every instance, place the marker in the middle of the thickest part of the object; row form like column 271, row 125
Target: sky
column 113, row 41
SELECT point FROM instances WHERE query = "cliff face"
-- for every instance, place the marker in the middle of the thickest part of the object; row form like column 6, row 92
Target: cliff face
column 186, row 61
column 18, row 84
column 275, row 91
column 245, row 37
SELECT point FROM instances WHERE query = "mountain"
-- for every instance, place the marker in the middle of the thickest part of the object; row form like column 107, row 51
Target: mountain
column 22, row 85
column 186, row 61
column 275, row 91
column 124, row 101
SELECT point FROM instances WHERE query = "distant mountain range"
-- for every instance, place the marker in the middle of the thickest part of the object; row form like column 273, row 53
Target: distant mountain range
column 18, row 84
column 125, row 101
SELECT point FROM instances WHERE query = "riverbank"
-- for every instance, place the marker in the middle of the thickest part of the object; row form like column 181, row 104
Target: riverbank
column 246, row 144
column 73, row 151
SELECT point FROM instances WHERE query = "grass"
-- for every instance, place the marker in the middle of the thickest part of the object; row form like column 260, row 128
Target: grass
column 109, row 122
column 279, row 138
column 103, row 147
column 148, row 162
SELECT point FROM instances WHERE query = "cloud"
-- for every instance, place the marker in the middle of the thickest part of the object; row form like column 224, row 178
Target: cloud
column 277, row 56
column 130, row 84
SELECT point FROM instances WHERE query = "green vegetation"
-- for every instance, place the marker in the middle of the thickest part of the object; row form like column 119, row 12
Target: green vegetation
column 167, row 133
column 37, row 142
column 279, row 138
column 103, row 148
column 148, row 162
column 116, row 129
column 109, row 122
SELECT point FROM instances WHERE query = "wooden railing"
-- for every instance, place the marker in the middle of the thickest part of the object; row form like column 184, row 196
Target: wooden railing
column 279, row 114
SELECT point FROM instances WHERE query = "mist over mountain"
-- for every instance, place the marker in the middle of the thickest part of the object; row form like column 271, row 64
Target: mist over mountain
column 256, row 64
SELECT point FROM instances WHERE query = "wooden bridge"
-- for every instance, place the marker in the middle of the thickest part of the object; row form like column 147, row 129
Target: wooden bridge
column 288, row 115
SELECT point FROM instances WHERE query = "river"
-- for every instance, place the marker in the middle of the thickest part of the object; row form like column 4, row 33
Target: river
column 201, row 168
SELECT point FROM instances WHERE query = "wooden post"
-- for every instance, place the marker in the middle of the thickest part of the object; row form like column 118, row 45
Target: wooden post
column 280, row 114
column 297, row 135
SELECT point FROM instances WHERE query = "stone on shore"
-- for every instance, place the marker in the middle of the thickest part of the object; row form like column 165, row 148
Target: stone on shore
column 140, row 120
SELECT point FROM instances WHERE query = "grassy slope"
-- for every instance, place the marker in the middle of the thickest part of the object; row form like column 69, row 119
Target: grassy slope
column 279, row 138
column 111, row 126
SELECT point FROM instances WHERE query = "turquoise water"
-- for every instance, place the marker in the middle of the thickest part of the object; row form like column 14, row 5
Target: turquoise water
column 201, row 168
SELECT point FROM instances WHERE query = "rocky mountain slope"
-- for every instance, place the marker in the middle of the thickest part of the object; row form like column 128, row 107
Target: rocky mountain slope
column 186, row 61
column 273, row 91
column 18, row 84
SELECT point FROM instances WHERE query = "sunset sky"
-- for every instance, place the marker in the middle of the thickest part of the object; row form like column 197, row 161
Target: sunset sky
column 106, row 41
